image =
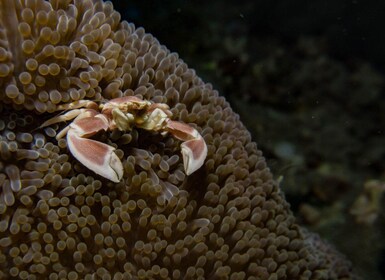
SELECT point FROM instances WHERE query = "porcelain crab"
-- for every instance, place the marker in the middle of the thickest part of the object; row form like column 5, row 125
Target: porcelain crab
column 123, row 113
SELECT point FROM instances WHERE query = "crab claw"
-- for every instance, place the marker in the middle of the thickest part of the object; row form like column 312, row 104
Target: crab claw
column 194, row 149
column 96, row 156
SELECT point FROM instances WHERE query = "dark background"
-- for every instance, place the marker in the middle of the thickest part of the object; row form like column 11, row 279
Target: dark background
column 354, row 27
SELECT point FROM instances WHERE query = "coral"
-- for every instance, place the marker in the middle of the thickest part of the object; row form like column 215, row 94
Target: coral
column 59, row 220
column 367, row 207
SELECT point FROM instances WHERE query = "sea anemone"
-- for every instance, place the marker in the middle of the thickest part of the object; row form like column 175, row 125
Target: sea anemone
column 228, row 220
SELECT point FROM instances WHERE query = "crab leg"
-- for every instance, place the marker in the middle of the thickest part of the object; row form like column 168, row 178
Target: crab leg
column 194, row 149
column 76, row 113
column 61, row 118
column 79, row 104
column 96, row 156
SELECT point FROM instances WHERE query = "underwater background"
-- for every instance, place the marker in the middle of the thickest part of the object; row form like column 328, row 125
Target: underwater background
column 307, row 78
